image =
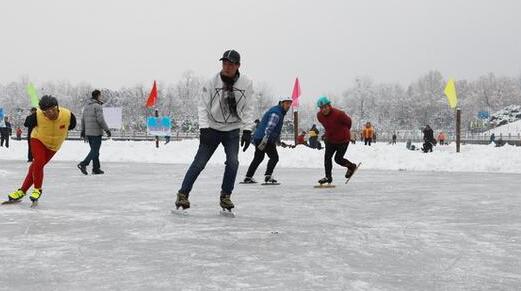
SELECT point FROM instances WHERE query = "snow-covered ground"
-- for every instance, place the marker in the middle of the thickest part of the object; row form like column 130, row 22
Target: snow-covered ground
column 406, row 221
column 379, row 156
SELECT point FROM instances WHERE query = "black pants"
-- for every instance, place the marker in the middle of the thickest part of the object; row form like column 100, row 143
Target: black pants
column 29, row 153
column 271, row 151
column 4, row 138
column 338, row 150
column 368, row 141
column 95, row 144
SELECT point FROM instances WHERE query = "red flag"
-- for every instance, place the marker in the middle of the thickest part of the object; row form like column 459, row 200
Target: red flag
column 296, row 93
column 152, row 98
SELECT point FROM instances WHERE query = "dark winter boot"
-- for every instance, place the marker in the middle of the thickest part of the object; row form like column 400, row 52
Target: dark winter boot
column 226, row 203
column 182, row 201
column 82, row 168
column 97, row 172
column 269, row 179
column 325, row 180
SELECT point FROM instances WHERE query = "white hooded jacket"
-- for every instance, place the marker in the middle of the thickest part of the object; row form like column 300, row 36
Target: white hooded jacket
column 213, row 106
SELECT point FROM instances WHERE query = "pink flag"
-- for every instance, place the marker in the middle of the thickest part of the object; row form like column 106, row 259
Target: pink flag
column 296, row 93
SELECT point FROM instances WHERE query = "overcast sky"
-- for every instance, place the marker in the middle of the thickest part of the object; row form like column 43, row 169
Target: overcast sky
column 110, row 43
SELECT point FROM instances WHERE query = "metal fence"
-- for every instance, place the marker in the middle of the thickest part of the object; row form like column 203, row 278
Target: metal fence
column 401, row 136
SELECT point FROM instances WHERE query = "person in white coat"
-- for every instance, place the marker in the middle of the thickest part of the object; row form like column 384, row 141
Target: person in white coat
column 225, row 108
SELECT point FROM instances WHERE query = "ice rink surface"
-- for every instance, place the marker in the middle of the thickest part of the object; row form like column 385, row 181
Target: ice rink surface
column 385, row 230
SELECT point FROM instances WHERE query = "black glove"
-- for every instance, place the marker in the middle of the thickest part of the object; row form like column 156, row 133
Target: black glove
column 109, row 134
column 82, row 134
column 245, row 139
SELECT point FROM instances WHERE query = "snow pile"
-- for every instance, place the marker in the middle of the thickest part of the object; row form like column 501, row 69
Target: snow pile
column 513, row 129
column 380, row 156
column 507, row 115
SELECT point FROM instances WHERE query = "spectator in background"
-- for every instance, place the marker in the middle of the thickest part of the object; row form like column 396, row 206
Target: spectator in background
column 5, row 132
column 30, row 127
column 368, row 134
column 441, row 138
column 301, row 138
column 18, row 133
column 313, row 141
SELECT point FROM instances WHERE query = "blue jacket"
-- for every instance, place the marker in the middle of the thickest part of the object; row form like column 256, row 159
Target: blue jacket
column 270, row 125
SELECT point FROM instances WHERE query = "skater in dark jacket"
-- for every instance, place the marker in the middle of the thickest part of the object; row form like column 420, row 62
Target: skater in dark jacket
column 337, row 125
column 50, row 128
column 266, row 137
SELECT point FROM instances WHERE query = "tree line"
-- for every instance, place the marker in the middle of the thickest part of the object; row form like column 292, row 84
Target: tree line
column 388, row 107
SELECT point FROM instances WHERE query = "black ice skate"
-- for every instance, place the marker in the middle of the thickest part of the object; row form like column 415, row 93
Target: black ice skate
column 351, row 172
column 248, row 180
column 182, row 201
column 268, row 180
column 226, row 205
column 325, row 183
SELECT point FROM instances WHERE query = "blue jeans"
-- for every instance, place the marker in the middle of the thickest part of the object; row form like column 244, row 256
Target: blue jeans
column 95, row 144
column 207, row 146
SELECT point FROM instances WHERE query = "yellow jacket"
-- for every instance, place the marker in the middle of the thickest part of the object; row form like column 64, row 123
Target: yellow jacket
column 52, row 133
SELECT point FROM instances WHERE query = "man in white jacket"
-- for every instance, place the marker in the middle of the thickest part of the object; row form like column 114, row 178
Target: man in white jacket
column 225, row 107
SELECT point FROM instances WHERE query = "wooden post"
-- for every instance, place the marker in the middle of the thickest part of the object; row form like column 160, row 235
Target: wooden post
column 156, row 114
column 458, row 129
column 295, row 125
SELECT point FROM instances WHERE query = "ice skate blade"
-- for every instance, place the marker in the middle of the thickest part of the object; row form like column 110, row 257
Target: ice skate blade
column 227, row 213
column 8, row 202
column 34, row 204
column 179, row 212
column 358, row 166
column 264, row 184
column 324, row 186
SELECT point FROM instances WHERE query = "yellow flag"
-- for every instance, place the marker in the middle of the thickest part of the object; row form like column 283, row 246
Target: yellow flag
column 450, row 91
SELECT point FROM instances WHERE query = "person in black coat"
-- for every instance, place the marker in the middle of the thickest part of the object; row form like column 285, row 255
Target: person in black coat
column 5, row 132
column 30, row 127
column 428, row 138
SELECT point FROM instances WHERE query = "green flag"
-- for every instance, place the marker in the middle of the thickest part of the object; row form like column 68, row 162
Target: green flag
column 33, row 96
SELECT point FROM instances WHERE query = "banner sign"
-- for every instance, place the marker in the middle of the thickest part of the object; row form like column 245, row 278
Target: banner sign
column 113, row 117
column 160, row 126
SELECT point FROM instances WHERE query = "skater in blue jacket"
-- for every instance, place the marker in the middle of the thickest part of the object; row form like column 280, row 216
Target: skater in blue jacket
column 266, row 138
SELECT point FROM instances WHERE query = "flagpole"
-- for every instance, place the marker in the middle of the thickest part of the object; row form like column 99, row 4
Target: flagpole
column 295, row 124
column 294, row 97
column 156, row 114
column 458, row 129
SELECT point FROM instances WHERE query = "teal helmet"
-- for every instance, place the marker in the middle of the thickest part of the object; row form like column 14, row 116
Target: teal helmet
column 323, row 100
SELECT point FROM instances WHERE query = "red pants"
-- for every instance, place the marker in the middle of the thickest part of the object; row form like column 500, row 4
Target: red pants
column 41, row 156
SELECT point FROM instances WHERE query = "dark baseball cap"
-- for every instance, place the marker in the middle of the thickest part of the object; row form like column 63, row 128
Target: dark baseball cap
column 232, row 56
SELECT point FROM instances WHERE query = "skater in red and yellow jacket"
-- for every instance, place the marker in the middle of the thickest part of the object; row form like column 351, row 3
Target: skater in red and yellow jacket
column 337, row 125
column 51, row 125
